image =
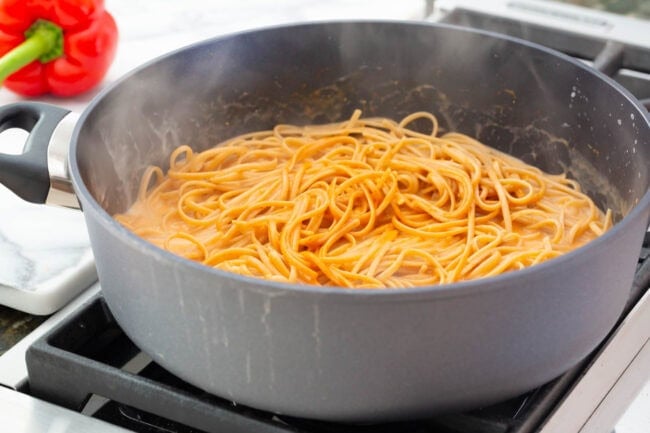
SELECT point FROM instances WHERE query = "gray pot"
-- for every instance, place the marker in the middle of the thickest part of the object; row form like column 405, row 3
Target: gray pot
column 345, row 355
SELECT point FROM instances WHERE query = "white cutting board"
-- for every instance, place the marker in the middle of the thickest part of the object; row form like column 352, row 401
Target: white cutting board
column 45, row 256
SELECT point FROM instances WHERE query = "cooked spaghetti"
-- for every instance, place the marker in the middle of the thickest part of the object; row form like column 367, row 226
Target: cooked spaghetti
column 366, row 203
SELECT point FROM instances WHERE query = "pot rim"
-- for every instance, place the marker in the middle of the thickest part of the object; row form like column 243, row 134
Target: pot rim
column 457, row 289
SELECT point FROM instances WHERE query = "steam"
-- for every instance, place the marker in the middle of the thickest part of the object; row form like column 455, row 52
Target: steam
column 517, row 99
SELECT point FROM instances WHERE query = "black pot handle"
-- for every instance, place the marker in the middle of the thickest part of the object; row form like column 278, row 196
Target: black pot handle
column 27, row 174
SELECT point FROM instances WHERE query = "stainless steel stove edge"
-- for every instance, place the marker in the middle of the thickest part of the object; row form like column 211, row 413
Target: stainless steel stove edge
column 13, row 370
column 21, row 413
column 616, row 375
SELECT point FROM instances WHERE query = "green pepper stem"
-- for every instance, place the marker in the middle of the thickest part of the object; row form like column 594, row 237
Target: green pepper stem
column 43, row 41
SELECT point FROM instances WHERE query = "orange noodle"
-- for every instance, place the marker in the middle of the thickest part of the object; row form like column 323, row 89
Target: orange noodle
column 365, row 203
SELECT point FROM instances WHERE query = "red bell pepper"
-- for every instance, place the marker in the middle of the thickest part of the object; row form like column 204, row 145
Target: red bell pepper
column 63, row 47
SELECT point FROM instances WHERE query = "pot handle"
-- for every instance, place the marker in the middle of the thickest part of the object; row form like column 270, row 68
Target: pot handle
column 27, row 174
